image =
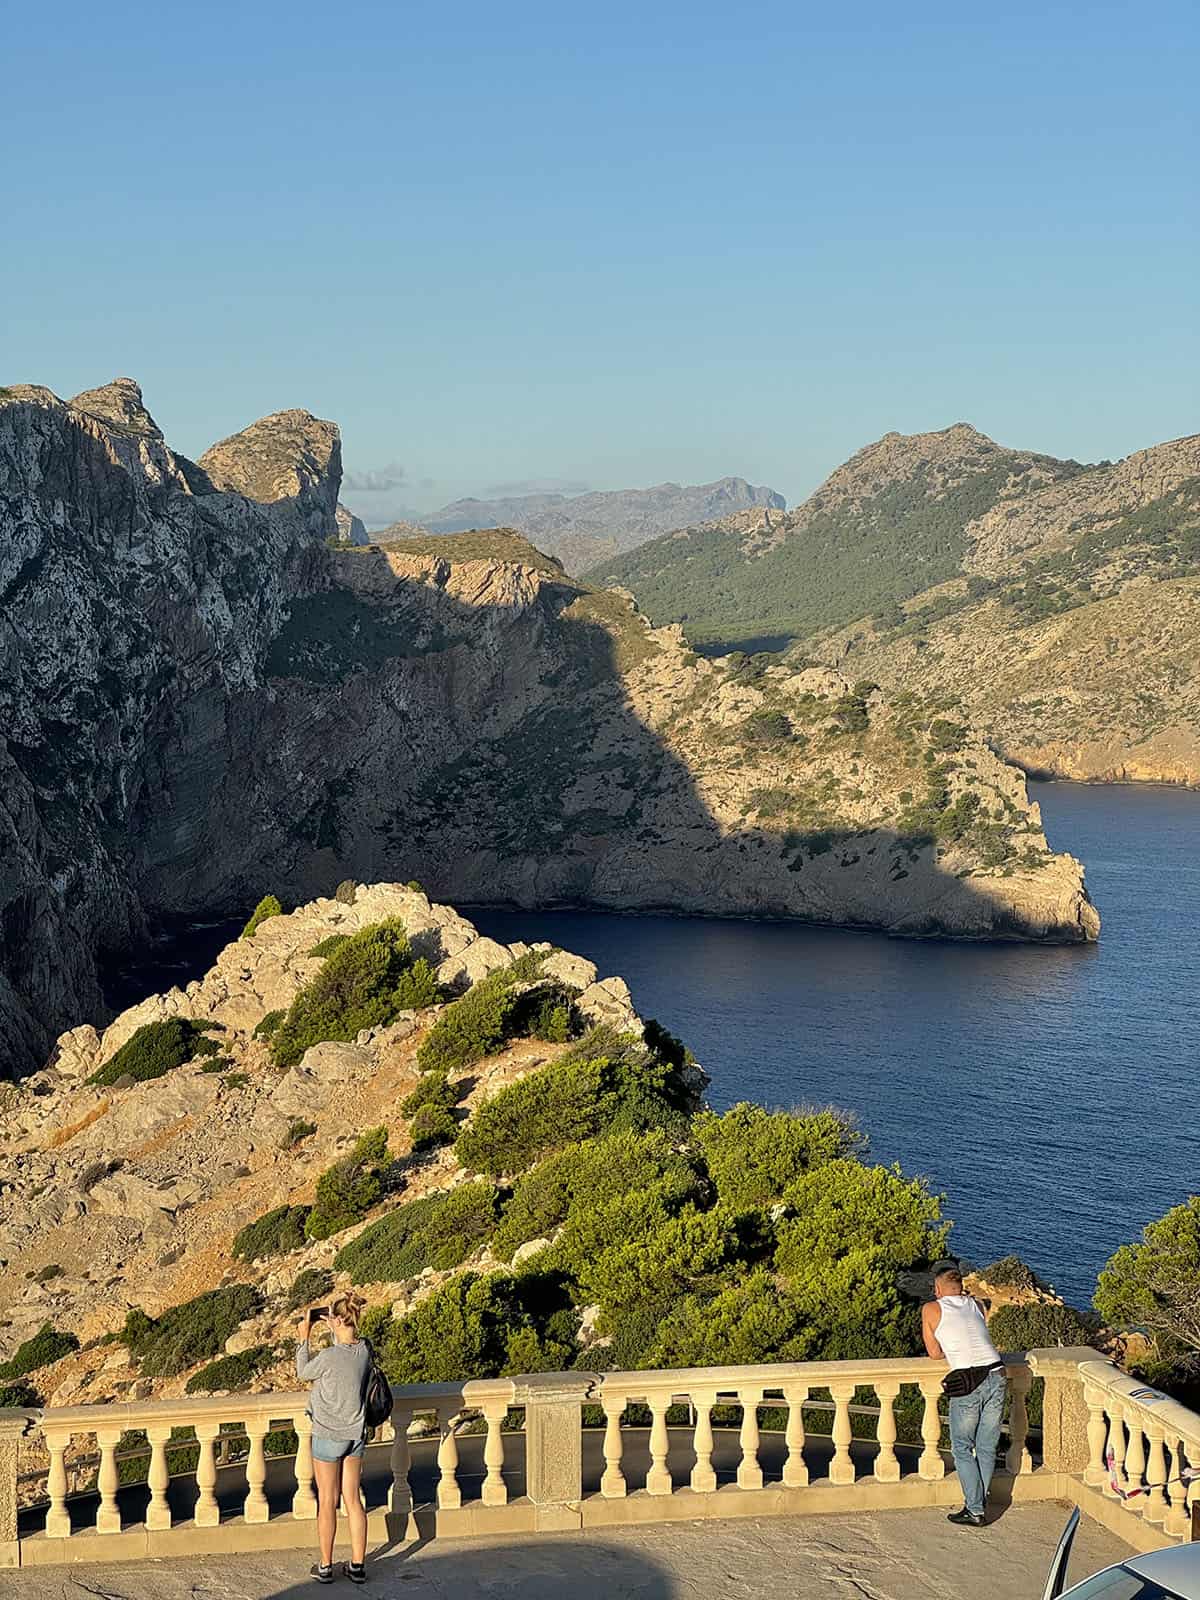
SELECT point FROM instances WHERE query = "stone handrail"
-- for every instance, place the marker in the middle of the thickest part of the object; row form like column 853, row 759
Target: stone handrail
column 665, row 1471
column 1140, row 1444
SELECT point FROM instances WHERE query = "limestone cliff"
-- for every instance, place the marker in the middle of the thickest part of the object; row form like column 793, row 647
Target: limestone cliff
column 201, row 701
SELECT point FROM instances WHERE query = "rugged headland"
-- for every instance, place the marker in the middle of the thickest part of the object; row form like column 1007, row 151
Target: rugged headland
column 202, row 697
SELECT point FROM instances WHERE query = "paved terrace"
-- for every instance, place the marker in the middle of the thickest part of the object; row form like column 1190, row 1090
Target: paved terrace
column 874, row 1555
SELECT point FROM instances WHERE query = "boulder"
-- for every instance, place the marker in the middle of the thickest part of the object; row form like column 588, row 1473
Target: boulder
column 76, row 1052
column 473, row 963
column 609, row 1002
column 574, row 971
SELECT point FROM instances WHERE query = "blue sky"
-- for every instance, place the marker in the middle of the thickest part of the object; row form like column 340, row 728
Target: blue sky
column 609, row 245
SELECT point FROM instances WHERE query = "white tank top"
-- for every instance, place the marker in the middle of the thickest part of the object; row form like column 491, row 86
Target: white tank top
column 963, row 1334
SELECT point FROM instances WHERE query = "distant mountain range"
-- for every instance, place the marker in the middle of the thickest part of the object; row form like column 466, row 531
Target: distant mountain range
column 585, row 528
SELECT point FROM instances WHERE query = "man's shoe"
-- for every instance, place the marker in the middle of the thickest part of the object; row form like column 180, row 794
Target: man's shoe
column 356, row 1571
column 322, row 1574
column 966, row 1519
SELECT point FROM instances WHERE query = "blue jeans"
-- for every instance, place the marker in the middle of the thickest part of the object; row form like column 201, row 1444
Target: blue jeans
column 974, row 1435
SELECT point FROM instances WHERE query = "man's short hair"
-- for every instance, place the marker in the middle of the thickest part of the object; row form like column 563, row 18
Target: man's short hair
column 950, row 1279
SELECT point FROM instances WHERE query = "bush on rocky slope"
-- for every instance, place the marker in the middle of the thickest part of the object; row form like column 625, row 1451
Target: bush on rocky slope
column 156, row 1049
column 193, row 1331
column 274, row 1234
column 753, row 1154
column 439, row 1231
column 232, row 1372
column 365, row 982
column 1041, row 1325
column 47, row 1345
column 311, row 1284
column 268, row 906
column 347, row 1190
column 430, row 1108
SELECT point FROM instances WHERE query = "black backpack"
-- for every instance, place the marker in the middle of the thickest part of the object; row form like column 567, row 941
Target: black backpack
column 377, row 1397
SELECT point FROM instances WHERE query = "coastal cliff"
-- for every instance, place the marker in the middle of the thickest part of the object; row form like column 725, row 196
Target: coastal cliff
column 201, row 700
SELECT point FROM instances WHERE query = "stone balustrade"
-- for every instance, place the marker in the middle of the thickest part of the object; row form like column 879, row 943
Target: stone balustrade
column 577, row 1449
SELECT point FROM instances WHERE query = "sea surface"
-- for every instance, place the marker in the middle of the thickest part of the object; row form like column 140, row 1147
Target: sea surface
column 1049, row 1094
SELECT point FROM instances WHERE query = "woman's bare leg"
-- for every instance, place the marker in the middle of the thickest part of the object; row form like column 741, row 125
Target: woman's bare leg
column 356, row 1514
column 329, row 1486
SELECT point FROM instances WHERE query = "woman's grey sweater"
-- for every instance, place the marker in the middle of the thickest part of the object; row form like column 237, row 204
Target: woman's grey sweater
column 339, row 1379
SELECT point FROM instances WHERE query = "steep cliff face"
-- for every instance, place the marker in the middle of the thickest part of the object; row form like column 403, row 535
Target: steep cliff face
column 136, row 591
column 200, row 701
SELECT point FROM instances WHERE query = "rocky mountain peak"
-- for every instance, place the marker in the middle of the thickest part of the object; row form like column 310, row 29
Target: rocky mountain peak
column 120, row 404
column 281, row 457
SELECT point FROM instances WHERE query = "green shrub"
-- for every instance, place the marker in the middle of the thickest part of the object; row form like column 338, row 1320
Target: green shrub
column 1010, row 1272
column 433, row 1089
column 326, row 947
column 472, row 1324
column 48, row 1273
column 753, row 1154
column 236, row 1080
column 19, row 1395
column 346, row 892
column 432, row 1126
column 766, row 727
column 188, row 1333
column 347, row 1190
column 367, row 981
column 314, row 1283
column 746, row 1322
column 648, row 1255
column 47, row 1345
column 584, row 1177
column 297, row 1132
column 1155, row 1284
column 414, row 883
column 266, row 1026
column 231, row 1372
column 1038, row 1326
column 156, row 1049
column 274, row 1234
column 570, row 1100
column 268, row 906
column 843, row 1207
column 439, row 1231
column 472, row 1027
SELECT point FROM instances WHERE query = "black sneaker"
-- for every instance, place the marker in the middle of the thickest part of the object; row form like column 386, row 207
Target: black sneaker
column 356, row 1571
column 322, row 1574
column 966, row 1519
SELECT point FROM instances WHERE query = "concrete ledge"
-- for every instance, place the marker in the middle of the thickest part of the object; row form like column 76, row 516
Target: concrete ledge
column 1110, row 1513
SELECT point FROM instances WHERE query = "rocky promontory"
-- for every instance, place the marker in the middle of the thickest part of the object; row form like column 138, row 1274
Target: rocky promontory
column 201, row 699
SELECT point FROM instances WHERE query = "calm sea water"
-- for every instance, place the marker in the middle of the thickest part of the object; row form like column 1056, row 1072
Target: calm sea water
column 1048, row 1093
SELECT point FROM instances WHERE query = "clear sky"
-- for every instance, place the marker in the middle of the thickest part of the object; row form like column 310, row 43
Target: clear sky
column 609, row 244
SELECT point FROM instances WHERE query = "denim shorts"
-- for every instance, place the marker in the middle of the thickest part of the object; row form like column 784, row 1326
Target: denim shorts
column 336, row 1449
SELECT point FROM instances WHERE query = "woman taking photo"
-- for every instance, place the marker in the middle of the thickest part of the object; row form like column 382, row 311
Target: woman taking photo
column 337, row 1406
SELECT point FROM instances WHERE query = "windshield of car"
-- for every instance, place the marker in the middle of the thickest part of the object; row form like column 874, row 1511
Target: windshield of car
column 1118, row 1583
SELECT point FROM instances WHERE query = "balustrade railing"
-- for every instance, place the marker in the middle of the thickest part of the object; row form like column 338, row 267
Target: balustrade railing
column 576, row 1449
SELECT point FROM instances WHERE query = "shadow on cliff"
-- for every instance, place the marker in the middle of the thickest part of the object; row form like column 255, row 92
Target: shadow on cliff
column 489, row 751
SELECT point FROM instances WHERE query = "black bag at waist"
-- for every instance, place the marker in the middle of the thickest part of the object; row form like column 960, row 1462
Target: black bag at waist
column 965, row 1380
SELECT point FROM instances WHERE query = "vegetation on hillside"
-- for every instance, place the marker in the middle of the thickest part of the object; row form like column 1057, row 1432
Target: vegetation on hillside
column 1154, row 1285
column 268, row 906
column 826, row 568
column 156, row 1049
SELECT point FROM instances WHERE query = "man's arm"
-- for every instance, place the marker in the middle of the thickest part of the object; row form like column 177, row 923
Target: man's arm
column 931, row 1315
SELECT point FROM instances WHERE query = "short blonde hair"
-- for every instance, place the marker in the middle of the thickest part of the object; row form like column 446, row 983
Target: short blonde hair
column 349, row 1308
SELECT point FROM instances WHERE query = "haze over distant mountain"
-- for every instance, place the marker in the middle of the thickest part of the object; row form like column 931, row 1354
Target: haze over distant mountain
column 887, row 523
column 585, row 528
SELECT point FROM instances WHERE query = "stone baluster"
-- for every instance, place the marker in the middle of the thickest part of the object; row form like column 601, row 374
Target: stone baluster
column 1116, row 1444
column 841, row 1468
column 158, row 1512
column 658, row 1479
column 304, row 1500
column 1193, row 1496
column 1018, row 1458
column 931, row 1464
column 749, row 1472
column 449, row 1495
column 1176, row 1523
column 704, row 1477
column 612, row 1484
column 13, row 1429
column 108, row 1481
column 887, row 1467
column 1135, row 1461
column 1095, row 1473
column 400, row 1501
column 58, row 1518
column 795, row 1468
column 254, row 1506
column 207, row 1513
column 494, row 1491
column 1156, row 1475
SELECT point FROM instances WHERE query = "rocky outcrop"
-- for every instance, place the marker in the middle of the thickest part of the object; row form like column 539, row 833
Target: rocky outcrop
column 201, row 702
column 350, row 529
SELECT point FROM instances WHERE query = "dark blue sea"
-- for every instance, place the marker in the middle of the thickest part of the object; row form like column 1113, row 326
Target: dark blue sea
column 1049, row 1094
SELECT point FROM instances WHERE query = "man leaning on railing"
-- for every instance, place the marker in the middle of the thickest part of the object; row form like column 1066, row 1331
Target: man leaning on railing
column 955, row 1330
